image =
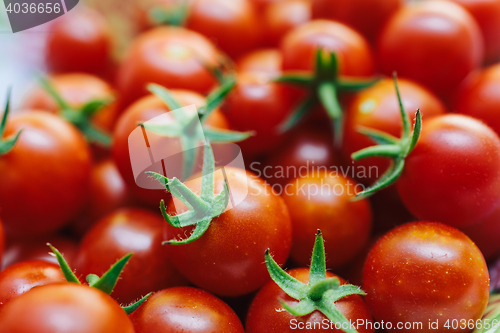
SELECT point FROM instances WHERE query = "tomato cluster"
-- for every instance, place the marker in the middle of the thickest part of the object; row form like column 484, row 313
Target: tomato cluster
column 353, row 143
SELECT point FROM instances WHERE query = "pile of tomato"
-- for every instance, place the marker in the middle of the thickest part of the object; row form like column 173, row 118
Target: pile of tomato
column 371, row 125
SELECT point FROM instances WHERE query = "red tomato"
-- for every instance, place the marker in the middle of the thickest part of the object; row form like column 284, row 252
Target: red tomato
column 79, row 41
column 143, row 110
column 261, row 5
column 266, row 313
column 262, row 60
column 64, row 308
column 436, row 43
column 108, row 192
column 44, row 178
column 322, row 200
column 299, row 48
column 23, row 276
column 366, row 16
column 487, row 15
column 170, row 56
column 228, row 259
column 422, row 272
column 478, row 98
column 227, row 23
column 2, row 242
column 453, row 174
column 282, row 16
column 377, row 107
column 122, row 232
column 200, row 312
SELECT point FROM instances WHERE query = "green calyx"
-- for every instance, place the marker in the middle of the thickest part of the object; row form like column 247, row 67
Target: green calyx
column 81, row 118
column 320, row 293
column 106, row 283
column 8, row 143
column 175, row 14
column 325, row 85
column 186, row 127
column 390, row 147
column 201, row 208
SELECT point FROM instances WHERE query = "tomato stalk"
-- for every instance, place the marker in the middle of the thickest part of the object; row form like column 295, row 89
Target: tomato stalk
column 81, row 118
column 106, row 283
column 174, row 15
column 320, row 293
column 390, row 147
column 6, row 144
column 324, row 85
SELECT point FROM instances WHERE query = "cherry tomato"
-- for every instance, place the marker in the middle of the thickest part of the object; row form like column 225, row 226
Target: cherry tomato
column 122, row 232
column 487, row 16
column 143, row 110
column 25, row 275
column 227, row 259
column 261, row 5
column 377, row 107
column 282, row 16
column 322, row 200
column 262, row 60
column 44, row 178
column 422, row 272
column 170, row 56
column 79, row 41
column 201, row 312
column 2, row 242
column 299, row 48
column 366, row 16
column 453, row 174
column 227, row 23
column 478, row 98
column 436, row 43
column 266, row 313
column 64, row 308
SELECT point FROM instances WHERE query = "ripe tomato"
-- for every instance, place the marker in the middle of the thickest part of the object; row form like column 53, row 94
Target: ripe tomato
column 143, row 110
column 25, row 275
column 55, row 154
column 227, row 259
column 299, row 48
column 377, row 107
column 366, row 16
column 200, row 311
column 170, row 56
column 262, row 60
column 422, row 272
column 261, row 5
column 2, row 242
column 478, row 98
column 436, row 43
column 226, row 22
column 266, row 313
column 453, row 174
column 322, row 200
column 79, row 41
column 64, row 308
column 282, row 16
column 487, row 15
column 119, row 233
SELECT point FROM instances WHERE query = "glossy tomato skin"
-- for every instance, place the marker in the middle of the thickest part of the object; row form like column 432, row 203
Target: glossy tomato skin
column 425, row 271
column 368, row 21
column 262, row 60
column 322, row 200
column 64, row 308
column 23, row 276
column 477, row 96
column 227, row 23
column 487, row 15
column 439, row 59
column 169, row 56
column 129, row 231
column 2, row 242
column 143, row 110
column 266, row 313
column 299, row 48
column 201, row 312
column 228, row 259
column 453, row 174
column 377, row 107
column 80, row 41
column 54, row 153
